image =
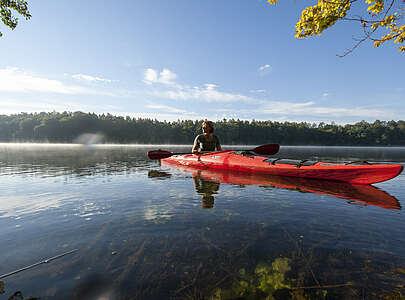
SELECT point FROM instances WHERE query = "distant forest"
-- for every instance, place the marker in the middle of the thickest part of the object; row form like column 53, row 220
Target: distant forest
column 66, row 127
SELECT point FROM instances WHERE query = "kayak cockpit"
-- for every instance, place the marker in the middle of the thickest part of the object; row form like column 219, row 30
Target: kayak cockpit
column 297, row 163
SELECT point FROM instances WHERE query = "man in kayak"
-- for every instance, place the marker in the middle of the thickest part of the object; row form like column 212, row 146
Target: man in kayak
column 206, row 141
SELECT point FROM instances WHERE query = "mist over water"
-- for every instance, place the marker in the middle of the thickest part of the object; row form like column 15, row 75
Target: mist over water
column 143, row 230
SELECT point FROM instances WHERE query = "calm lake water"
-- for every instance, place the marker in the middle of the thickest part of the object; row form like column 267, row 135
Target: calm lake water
column 134, row 229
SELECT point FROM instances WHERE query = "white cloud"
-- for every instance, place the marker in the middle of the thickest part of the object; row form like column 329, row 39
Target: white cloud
column 309, row 112
column 310, row 109
column 163, row 116
column 90, row 78
column 166, row 108
column 208, row 93
column 16, row 80
column 15, row 106
column 265, row 67
column 359, row 112
column 24, row 91
column 286, row 107
column 165, row 77
column 16, row 205
column 175, row 91
column 150, row 76
column 210, row 86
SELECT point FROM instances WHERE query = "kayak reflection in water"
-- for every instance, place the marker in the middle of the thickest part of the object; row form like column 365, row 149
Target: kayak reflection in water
column 206, row 141
column 207, row 183
column 207, row 189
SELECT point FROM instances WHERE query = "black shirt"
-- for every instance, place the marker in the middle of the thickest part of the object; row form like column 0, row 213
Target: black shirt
column 204, row 145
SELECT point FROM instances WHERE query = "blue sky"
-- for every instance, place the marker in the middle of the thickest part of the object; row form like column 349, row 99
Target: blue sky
column 194, row 59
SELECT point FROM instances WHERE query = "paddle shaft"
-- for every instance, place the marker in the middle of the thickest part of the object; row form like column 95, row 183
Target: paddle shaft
column 268, row 149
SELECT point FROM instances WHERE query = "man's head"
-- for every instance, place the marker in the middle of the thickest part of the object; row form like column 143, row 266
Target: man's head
column 208, row 126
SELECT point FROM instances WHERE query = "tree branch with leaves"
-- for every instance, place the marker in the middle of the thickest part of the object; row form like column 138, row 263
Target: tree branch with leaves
column 379, row 15
column 6, row 12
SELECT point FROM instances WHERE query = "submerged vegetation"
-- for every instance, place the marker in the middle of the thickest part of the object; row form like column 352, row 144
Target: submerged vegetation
column 262, row 284
column 16, row 296
column 68, row 127
column 205, row 266
column 151, row 240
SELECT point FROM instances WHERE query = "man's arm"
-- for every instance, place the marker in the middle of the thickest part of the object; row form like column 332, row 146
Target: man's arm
column 195, row 146
column 219, row 148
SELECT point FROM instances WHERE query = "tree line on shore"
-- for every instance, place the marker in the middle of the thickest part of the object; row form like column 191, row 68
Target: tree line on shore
column 66, row 127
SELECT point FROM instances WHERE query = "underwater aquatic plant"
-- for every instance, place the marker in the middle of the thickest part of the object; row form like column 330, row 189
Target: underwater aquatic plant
column 263, row 283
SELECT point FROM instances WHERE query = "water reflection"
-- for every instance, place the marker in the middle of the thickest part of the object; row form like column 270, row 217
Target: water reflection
column 159, row 174
column 147, row 237
column 207, row 189
column 207, row 181
column 70, row 160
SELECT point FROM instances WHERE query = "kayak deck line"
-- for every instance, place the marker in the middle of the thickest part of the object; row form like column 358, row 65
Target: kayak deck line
column 360, row 172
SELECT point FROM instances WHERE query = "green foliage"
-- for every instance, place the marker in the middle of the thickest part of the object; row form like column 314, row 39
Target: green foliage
column 19, row 296
column 16, row 296
column 6, row 15
column 376, row 14
column 266, row 280
column 315, row 19
column 67, row 126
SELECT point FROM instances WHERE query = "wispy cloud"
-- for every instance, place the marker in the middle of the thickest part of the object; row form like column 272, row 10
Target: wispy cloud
column 275, row 107
column 164, row 115
column 277, row 110
column 15, row 105
column 305, row 110
column 208, row 93
column 90, row 78
column 265, row 67
column 166, row 108
column 309, row 108
column 26, row 91
column 17, row 80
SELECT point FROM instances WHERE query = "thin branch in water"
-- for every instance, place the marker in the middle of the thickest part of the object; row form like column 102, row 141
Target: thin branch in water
column 38, row 263
column 328, row 286
column 305, row 258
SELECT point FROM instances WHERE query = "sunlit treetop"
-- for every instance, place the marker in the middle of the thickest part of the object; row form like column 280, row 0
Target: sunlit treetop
column 7, row 7
column 378, row 17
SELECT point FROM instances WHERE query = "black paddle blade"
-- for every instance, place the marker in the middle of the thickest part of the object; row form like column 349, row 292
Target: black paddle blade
column 159, row 154
column 268, row 149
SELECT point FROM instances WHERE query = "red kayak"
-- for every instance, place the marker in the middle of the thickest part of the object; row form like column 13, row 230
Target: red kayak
column 357, row 193
column 247, row 161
